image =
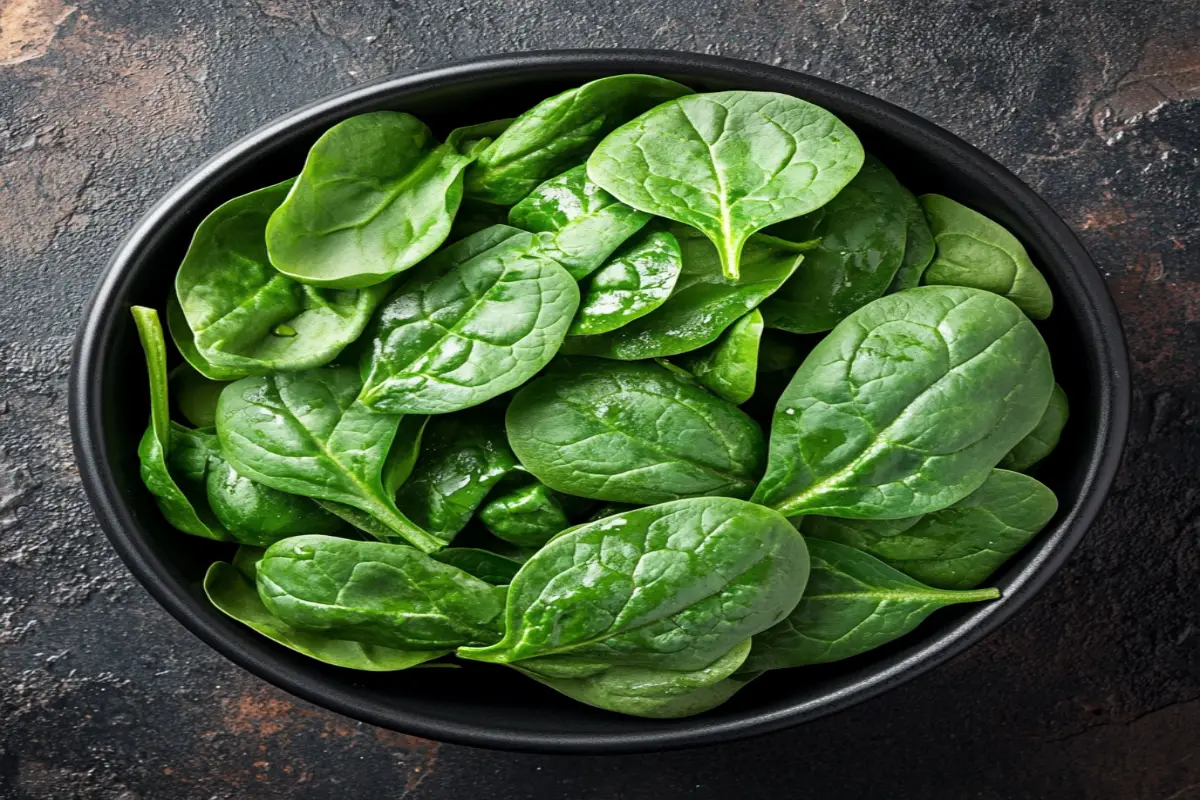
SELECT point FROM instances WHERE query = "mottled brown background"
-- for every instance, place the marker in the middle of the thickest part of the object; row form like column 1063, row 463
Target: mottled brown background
column 1092, row 692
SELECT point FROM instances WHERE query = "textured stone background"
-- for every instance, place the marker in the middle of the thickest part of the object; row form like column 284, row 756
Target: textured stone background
column 1092, row 692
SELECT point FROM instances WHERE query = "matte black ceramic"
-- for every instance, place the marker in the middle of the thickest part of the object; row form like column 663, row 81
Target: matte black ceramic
column 486, row 705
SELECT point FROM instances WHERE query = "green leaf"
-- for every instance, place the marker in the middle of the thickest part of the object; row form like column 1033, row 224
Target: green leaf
column 483, row 564
column 377, row 593
column 462, row 457
column 729, row 367
column 245, row 316
column 853, row 603
column 653, row 693
column 528, row 517
column 377, row 195
column 906, row 406
column 858, row 247
column 958, row 547
column 305, row 433
column 674, row 586
column 259, row 515
column 1042, row 440
column 703, row 303
column 636, row 280
column 559, row 132
column 579, row 224
column 918, row 246
column 195, row 395
column 972, row 250
column 478, row 319
column 632, row 433
column 155, row 446
column 235, row 595
column 728, row 163
column 185, row 343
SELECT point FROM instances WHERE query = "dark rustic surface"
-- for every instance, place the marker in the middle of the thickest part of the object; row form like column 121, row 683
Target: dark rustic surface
column 1092, row 692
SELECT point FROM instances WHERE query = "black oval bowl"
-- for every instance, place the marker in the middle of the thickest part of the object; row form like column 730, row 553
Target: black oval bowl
column 489, row 706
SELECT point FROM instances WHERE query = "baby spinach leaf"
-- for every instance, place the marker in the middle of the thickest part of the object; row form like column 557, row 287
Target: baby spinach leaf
column 632, row 433
column 858, row 245
column 483, row 564
column 528, row 517
column 1042, row 440
column 377, row 195
column 905, row 407
column 259, row 515
column 473, row 217
column 155, row 446
column 579, row 224
column 636, row 280
column 476, row 320
column 377, row 593
column 853, row 603
column 472, row 139
column 673, row 586
column 703, row 303
column 195, row 395
column 185, row 343
column 244, row 315
column 305, row 433
column 234, row 593
column 559, row 132
column 972, row 250
column 918, row 246
column 729, row 367
column 462, row 457
column 958, row 547
column 728, row 163
column 650, row 692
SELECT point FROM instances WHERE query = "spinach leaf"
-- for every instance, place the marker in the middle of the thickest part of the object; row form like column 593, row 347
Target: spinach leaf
column 491, row 567
column 473, row 139
column 185, row 343
column 906, row 406
column 632, row 433
column 195, row 395
column 231, row 589
column 377, row 195
column 853, row 603
column 258, row 515
column 528, row 517
column 462, row 457
column 673, row 586
column 857, row 247
column 579, row 224
column 702, row 305
column 247, row 317
column 377, row 593
column 559, row 132
column 154, row 449
column 972, row 250
column 636, row 280
column 650, row 692
column 958, row 547
column 476, row 320
column 473, row 217
column 1042, row 440
column 918, row 246
column 305, row 433
column 728, row 163
column 729, row 367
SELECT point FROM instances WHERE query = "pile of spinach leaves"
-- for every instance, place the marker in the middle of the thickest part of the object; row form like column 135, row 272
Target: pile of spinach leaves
column 641, row 394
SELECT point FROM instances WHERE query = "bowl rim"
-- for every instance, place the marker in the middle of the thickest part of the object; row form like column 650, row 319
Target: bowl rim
column 1098, row 319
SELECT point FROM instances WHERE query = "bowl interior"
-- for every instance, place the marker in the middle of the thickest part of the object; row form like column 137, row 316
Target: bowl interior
column 491, row 706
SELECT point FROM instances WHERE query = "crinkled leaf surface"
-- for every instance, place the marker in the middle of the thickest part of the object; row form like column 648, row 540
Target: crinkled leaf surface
column 638, row 278
column 729, row 366
column 528, row 516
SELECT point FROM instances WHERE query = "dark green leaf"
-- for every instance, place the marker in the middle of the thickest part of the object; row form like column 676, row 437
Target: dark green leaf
column 632, row 433
column 195, row 395
column 674, row 586
column 728, row 163
column 1042, row 440
column 906, row 406
column 859, row 244
column 559, row 132
column 491, row 567
column 185, row 343
column 636, row 280
column 259, row 515
column 729, row 367
column 854, row 603
column 528, row 517
column 958, row 547
column 918, row 246
column 972, row 250
column 377, row 195
column 478, row 319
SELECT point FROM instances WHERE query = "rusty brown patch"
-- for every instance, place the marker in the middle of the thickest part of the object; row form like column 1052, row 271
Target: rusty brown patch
column 261, row 714
column 1155, row 309
column 1169, row 72
column 28, row 26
